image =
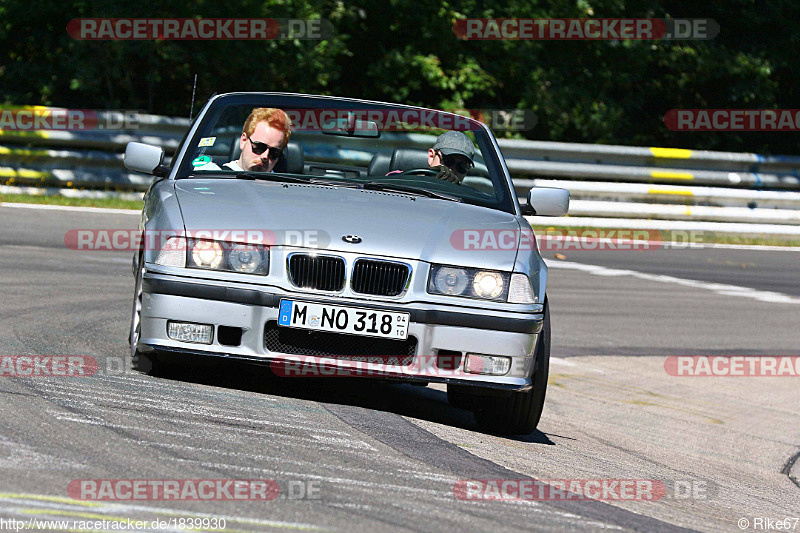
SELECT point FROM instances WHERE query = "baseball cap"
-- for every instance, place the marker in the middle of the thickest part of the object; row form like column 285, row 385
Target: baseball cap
column 455, row 142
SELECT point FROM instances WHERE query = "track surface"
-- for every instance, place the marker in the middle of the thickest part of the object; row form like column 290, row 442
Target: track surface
column 386, row 457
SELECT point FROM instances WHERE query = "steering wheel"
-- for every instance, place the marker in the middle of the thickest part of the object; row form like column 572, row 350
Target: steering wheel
column 420, row 172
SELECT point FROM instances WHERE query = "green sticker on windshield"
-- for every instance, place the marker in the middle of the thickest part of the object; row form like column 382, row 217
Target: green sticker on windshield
column 201, row 160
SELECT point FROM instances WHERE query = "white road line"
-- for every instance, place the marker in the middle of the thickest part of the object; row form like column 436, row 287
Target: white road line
column 305, row 475
column 210, row 417
column 153, row 383
column 755, row 247
column 719, row 288
column 249, row 399
column 431, row 476
column 103, row 423
column 169, row 406
column 102, row 259
column 664, row 225
column 361, row 454
column 88, row 392
column 401, row 473
column 349, row 443
column 579, row 241
column 73, row 208
column 313, row 440
column 177, row 388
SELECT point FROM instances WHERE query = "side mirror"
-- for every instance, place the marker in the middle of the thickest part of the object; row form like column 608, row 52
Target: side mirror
column 145, row 158
column 547, row 202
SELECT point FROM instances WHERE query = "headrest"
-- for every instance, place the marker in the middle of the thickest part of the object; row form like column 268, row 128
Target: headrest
column 379, row 166
column 407, row 159
column 293, row 161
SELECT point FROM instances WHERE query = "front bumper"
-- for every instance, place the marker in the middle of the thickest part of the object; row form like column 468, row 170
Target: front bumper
column 437, row 329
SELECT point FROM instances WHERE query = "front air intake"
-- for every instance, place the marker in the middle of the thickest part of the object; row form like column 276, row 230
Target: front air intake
column 381, row 278
column 317, row 272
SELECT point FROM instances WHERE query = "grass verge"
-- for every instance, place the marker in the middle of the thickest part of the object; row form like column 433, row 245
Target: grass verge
column 112, row 203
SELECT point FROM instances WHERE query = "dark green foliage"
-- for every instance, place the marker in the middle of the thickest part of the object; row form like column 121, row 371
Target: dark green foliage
column 406, row 51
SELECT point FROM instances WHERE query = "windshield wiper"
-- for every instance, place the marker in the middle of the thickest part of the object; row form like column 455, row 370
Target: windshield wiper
column 267, row 176
column 336, row 183
column 378, row 186
column 276, row 176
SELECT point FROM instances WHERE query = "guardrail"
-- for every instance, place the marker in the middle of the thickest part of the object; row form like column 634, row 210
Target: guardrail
column 668, row 194
column 604, row 180
column 89, row 159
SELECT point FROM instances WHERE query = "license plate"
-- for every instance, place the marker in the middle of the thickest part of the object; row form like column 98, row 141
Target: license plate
column 340, row 319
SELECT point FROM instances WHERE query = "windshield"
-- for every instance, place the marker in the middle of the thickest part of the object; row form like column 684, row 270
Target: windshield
column 355, row 144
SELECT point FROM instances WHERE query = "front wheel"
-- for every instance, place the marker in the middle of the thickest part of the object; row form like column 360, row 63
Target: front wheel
column 519, row 412
column 139, row 360
column 143, row 362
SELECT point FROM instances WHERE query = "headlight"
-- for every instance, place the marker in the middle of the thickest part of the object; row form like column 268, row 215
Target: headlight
column 206, row 254
column 246, row 258
column 450, row 281
column 488, row 285
column 231, row 257
column 468, row 282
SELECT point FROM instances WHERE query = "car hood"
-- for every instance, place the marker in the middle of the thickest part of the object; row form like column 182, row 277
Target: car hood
column 388, row 224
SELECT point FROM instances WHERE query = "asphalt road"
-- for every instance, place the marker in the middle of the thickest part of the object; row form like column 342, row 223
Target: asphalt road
column 386, row 457
column 770, row 270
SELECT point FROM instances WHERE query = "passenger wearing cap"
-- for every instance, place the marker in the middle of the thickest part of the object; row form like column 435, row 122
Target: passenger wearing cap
column 451, row 155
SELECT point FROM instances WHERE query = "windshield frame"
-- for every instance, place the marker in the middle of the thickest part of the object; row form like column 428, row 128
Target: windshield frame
column 487, row 145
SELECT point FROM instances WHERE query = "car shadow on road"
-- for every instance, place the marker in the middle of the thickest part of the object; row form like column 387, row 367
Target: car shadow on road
column 415, row 401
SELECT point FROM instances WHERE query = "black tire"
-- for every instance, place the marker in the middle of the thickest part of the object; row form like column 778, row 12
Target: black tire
column 136, row 313
column 142, row 362
column 519, row 413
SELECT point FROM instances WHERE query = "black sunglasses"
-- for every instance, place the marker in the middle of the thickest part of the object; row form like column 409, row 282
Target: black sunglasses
column 259, row 148
column 452, row 161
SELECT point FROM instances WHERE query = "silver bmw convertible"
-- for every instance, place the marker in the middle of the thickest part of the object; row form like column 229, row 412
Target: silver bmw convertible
column 331, row 236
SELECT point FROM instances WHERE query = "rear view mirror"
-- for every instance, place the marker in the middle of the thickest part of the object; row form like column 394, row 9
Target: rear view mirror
column 350, row 127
